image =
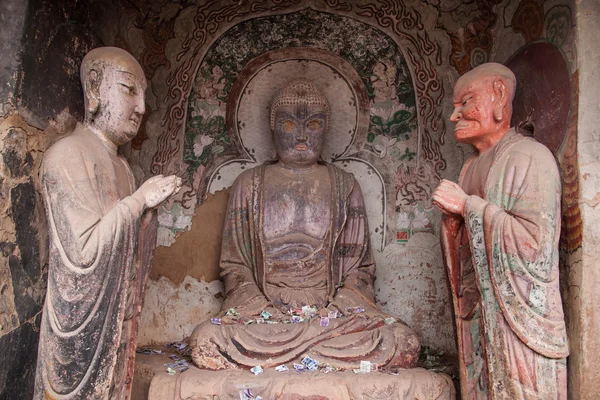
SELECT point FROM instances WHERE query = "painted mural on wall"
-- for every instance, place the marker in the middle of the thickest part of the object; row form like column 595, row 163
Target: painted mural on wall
column 396, row 104
column 440, row 37
column 378, row 60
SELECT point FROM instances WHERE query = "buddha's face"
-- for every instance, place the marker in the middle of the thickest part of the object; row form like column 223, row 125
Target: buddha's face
column 473, row 109
column 121, row 101
column 299, row 134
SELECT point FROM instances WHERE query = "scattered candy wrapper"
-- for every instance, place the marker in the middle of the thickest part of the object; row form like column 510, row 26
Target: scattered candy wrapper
column 282, row 368
column 148, row 351
column 324, row 321
column 232, row 313
column 174, row 357
column 355, row 310
column 332, row 314
column 266, row 315
column 260, row 321
column 257, row 370
column 180, row 346
column 296, row 318
column 299, row 367
column 390, row 320
column 171, row 371
column 215, row 321
column 310, row 363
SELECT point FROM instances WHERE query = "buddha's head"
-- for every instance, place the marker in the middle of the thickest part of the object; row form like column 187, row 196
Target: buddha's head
column 483, row 103
column 114, row 85
column 299, row 121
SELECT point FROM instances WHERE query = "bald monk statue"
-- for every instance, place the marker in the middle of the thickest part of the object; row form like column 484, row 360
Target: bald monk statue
column 500, row 237
column 96, row 217
column 296, row 235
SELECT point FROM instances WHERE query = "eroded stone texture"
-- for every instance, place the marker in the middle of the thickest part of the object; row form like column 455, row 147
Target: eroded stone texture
column 414, row 288
column 414, row 384
column 15, row 383
column 584, row 278
column 172, row 311
column 23, row 257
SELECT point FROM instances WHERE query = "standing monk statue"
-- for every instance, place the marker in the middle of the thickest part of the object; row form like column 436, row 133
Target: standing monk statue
column 95, row 216
column 500, row 237
column 296, row 248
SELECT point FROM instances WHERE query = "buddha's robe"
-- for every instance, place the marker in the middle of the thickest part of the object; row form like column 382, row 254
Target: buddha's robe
column 339, row 274
column 96, row 272
column 502, row 261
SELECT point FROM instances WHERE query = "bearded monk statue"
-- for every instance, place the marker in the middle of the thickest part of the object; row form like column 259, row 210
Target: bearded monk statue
column 296, row 238
column 500, row 236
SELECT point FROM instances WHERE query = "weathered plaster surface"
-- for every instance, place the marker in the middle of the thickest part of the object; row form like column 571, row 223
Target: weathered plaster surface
column 195, row 253
column 413, row 286
column 171, row 312
column 12, row 22
column 584, row 278
column 23, row 252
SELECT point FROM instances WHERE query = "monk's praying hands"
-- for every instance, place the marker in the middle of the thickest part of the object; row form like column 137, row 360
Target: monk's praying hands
column 449, row 198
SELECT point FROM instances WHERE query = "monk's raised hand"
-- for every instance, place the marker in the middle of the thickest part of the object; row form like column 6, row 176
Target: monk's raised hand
column 158, row 188
column 449, row 198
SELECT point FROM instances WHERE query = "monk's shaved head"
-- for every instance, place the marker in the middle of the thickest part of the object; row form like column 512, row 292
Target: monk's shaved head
column 483, row 105
column 101, row 57
column 490, row 71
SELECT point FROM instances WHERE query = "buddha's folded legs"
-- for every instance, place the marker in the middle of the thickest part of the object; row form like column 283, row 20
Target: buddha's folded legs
column 344, row 343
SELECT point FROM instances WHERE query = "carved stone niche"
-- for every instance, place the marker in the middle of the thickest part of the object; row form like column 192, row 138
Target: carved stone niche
column 247, row 117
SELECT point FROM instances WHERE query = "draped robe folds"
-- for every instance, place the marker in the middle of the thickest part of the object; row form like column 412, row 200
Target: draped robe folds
column 96, row 274
column 514, row 345
column 345, row 341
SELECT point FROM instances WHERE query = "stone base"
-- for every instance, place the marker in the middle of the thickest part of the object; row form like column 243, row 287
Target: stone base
column 196, row 384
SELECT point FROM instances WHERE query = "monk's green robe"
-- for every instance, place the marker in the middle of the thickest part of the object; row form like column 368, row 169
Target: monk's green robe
column 512, row 338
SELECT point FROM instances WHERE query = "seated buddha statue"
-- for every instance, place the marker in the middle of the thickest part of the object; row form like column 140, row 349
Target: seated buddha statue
column 296, row 238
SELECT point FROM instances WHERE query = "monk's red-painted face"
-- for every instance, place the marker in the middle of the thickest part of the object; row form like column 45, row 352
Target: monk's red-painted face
column 299, row 134
column 473, row 109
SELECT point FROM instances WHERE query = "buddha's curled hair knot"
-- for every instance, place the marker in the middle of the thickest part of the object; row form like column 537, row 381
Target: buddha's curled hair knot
column 301, row 91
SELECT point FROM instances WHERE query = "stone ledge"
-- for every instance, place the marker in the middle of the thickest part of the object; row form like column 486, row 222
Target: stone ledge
column 196, row 384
